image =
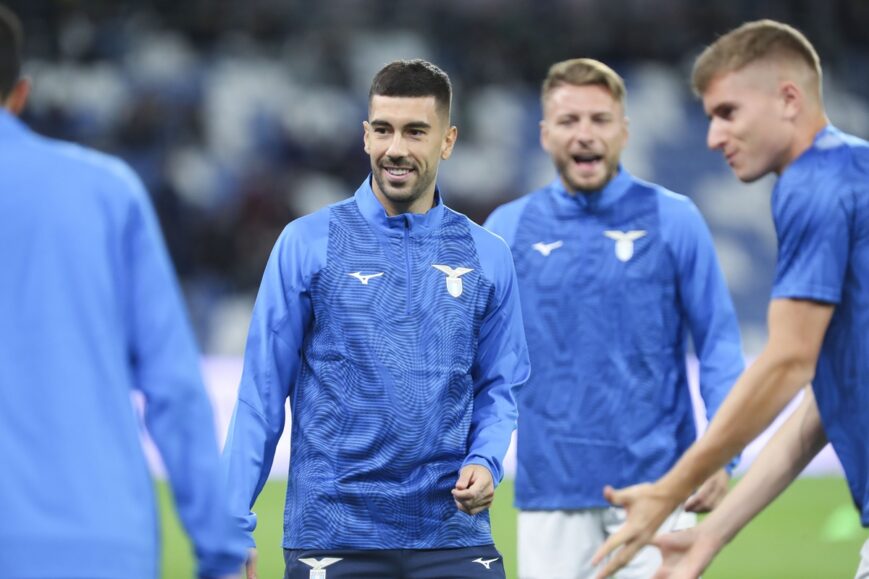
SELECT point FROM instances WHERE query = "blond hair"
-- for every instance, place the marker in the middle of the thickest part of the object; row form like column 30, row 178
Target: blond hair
column 753, row 42
column 583, row 72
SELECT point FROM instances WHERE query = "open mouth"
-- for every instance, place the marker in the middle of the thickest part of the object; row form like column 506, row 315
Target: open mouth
column 587, row 160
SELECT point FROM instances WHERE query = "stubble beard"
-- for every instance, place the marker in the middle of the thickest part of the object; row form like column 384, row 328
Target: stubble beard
column 563, row 168
column 403, row 197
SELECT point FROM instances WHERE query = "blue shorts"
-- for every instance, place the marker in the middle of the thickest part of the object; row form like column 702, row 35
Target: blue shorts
column 483, row 562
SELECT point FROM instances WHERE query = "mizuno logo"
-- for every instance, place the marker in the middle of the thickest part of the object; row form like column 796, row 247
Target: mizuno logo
column 485, row 562
column 625, row 242
column 454, row 281
column 546, row 248
column 364, row 278
column 318, row 566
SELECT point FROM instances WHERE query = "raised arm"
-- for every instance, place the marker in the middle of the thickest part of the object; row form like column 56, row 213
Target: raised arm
column 801, row 437
column 787, row 363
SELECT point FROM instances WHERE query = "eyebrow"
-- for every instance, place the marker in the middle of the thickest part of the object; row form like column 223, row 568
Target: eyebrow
column 410, row 125
column 720, row 109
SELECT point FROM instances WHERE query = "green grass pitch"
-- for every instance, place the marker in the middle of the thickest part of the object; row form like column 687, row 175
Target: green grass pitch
column 810, row 532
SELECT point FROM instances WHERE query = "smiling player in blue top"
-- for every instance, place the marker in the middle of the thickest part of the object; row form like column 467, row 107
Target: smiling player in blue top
column 392, row 325
column 761, row 87
column 613, row 272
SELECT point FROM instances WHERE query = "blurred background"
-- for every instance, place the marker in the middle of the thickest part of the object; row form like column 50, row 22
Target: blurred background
column 240, row 116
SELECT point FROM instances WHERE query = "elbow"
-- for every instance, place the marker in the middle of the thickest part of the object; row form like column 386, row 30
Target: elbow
column 797, row 367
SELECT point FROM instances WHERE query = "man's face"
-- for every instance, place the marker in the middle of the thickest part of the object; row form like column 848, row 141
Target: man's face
column 748, row 121
column 406, row 138
column 584, row 130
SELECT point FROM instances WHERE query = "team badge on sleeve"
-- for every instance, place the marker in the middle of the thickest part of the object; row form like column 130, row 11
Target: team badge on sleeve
column 318, row 566
column 624, row 242
column 454, row 279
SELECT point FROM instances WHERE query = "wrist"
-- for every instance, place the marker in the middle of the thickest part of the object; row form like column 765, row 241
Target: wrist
column 714, row 534
column 673, row 489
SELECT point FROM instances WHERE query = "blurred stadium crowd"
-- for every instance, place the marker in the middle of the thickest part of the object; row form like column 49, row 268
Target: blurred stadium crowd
column 241, row 116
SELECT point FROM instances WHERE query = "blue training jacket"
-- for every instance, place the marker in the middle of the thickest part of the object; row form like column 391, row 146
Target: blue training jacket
column 399, row 343
column 611, row 282
column 90, row 311
column 820, row 206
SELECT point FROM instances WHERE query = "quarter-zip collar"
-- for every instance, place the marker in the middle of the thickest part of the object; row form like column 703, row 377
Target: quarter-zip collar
column 594, row 201
column 827, row 138
column 416, row 224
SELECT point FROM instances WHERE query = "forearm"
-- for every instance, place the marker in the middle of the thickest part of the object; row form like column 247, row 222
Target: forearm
column 247, row 460
column 757, row 398
column 782, row 459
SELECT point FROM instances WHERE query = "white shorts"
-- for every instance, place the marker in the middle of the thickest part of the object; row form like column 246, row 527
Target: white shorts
column 560, row 544
column 863, row 570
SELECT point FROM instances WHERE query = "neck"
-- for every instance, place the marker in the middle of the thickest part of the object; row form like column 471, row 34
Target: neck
column 804, row 137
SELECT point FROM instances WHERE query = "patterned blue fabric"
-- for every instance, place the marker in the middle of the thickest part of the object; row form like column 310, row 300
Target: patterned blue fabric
column 90, row 311
column 400, row 369
column 821, row 211
column 611, row 282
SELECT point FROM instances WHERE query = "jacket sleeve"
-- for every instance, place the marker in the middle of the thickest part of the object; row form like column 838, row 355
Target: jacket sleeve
column 281, row 316
column 501, row 367
column 504, row 220
column 708, row 309
column 165, row 367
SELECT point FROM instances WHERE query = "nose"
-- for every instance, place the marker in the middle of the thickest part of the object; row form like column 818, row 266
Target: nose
column 716, row 136
column 584, row 133
column 397, row 147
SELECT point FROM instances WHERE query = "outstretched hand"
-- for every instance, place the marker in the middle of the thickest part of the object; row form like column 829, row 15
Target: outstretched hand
column 474, row 490
column 686, row 554
column 647, row 507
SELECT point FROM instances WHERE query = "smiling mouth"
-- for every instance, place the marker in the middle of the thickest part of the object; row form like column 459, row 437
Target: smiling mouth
column 398, row 172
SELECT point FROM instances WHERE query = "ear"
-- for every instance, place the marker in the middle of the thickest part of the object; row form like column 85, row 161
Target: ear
column 17, row 98
column 791, row 98
column 449, row 142
column 544, row 135
column 366, row 135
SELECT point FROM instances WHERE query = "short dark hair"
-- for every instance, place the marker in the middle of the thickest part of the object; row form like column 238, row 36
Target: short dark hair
column 413, row 78
column 11, row 42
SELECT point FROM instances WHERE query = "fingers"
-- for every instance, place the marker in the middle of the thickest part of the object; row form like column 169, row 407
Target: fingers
column 709, row 495
column 613, row 496
column 474, row 490
column 646, row 508
column 475, row 499
column 464, row 478
column 696, row 503
column 630, row 544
